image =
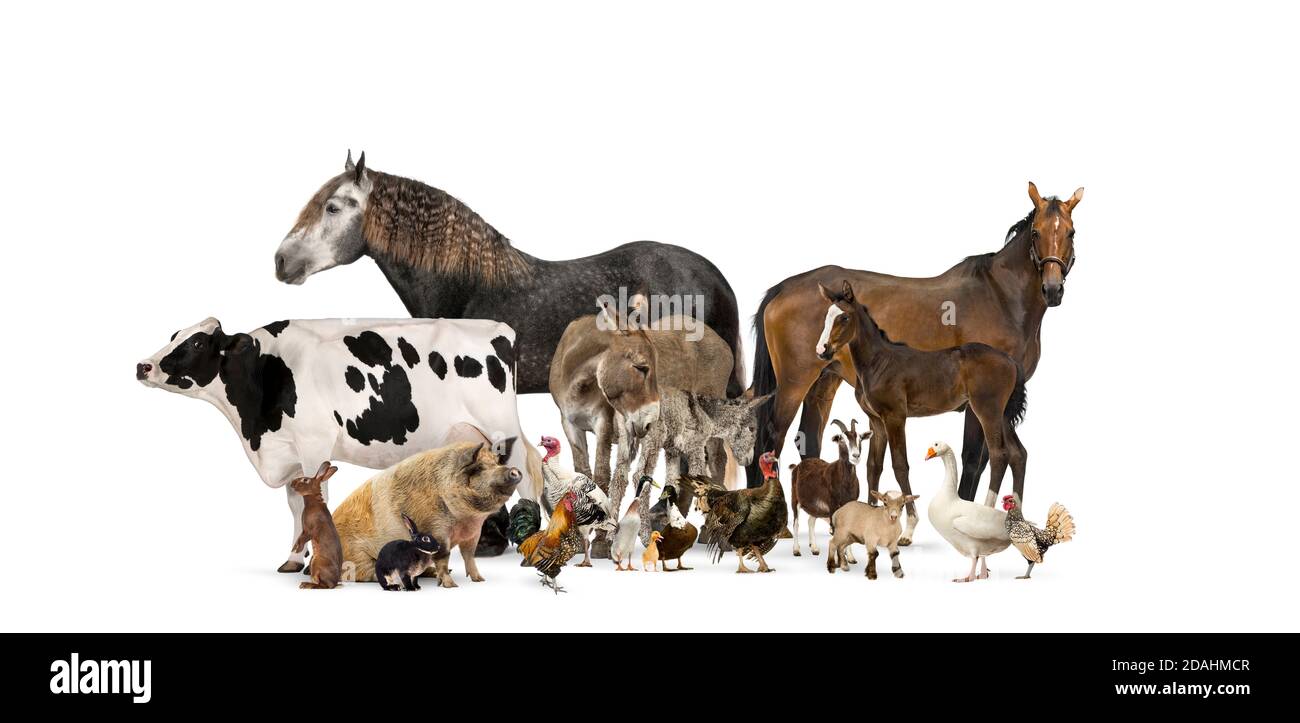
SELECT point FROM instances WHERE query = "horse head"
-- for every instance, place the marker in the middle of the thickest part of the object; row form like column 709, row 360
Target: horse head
column 1051, row 241
column 328, row 231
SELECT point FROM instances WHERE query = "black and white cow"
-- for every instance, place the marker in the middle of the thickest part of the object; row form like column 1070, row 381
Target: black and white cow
column 366, row 391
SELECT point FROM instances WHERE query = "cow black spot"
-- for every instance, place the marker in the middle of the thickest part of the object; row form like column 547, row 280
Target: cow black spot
column 261, row 388
column 196, row 360
column 338, row 418
column 373, row 384
column 496, row 374
column 409, row 354
column 370, row 348
column 438, row 364
column 275, row 327
column 505, row 351
column 352, row 376
column 391, row 415
column 467, row 366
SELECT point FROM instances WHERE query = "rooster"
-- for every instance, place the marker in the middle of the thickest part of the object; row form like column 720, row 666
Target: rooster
column 548, row 550
column 525, row 519
column 1032, row 541
column 591, row 502
column 750, row 520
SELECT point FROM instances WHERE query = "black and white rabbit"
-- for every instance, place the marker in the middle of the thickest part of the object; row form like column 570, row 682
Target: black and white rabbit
column 401, row 562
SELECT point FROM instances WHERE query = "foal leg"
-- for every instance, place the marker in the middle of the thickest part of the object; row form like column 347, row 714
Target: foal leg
column 1017, row 456
column 898, row 453
column 876, row 458
column 998, row 457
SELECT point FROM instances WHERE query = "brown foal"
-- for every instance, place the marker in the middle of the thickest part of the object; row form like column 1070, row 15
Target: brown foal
column 896, row 381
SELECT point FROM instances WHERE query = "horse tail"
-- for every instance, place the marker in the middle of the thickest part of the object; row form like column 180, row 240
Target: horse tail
column 764, row 383
column 1015, row 411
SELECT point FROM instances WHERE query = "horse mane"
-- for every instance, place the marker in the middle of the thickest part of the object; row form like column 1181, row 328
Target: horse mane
column 424, row 227
column 981, row 263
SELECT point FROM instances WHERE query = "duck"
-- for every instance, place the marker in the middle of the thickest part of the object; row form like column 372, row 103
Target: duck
column 677, row 535
column 974, row 530
column 629, row 529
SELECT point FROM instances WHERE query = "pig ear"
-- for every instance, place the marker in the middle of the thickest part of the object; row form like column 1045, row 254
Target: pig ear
column 470, row 455
column 503, row 448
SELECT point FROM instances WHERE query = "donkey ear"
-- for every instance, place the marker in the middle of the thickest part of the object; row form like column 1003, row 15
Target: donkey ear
column 1033, row 195
column 349, row 166
column 360, row 171
column 1075, row 199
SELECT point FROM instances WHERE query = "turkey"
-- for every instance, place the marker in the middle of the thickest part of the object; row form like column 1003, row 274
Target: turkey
column 591, row 507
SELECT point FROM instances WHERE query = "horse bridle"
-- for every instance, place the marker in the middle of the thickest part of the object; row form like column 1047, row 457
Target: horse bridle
column 1040, row 261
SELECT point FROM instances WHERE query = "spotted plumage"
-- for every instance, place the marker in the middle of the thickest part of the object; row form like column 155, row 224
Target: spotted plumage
column 1031, row 541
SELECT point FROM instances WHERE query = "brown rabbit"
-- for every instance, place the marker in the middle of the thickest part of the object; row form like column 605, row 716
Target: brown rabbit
column 318, row 526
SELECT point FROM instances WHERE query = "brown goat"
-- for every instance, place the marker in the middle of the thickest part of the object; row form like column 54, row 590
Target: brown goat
column 318, row 526
column 821, row 487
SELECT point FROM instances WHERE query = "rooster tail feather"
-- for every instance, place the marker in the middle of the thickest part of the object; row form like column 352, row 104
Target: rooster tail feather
column 1060, row 523
column 525, row 519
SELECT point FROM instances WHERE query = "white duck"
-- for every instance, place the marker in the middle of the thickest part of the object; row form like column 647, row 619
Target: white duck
column 629, row 529
column 972, row 529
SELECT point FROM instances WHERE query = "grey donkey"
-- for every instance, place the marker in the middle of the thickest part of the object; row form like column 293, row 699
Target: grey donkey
column 698, row 430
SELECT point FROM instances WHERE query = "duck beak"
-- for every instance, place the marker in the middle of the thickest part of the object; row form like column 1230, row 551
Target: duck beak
column 930, row 453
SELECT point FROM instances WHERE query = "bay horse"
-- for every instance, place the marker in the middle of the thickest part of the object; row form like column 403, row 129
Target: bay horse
column 445, row 261
column 896, row 381
column 997, row 299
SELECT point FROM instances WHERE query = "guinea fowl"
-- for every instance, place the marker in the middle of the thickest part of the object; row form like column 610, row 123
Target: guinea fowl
column 974, row 530
column 1031, row 541
column 591, row 502
column 678, row 535
column 750, row 520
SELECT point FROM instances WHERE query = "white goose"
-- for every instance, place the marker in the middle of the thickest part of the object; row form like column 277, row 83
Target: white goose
column 972, row 529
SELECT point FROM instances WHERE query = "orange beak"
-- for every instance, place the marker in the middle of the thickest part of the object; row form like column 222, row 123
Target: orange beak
column 930, row 453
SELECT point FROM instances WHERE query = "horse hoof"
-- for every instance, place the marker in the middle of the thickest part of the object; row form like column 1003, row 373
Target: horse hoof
column 291, row 566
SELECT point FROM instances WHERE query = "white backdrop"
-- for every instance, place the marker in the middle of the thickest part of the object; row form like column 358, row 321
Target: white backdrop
column 155, row 155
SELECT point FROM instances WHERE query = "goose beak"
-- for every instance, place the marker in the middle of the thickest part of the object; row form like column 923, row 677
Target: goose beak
column 930, row 453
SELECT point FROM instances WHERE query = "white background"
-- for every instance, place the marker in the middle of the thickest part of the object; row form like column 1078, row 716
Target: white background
column 154, row 156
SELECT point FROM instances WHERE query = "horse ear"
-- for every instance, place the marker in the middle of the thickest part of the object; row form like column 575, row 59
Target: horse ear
column 360, row 171
column 349, row 166
column 1075, row 199
column 847, row 293
column 1033, row 195
column 827, row 294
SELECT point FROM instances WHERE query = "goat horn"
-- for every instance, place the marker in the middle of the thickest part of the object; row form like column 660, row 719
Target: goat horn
column 840, row 424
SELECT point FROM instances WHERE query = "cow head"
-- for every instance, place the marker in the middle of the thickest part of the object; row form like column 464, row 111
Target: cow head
column 194, row 357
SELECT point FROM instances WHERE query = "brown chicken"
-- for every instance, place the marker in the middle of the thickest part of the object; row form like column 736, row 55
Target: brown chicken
column 548, row 550
column 750, row 520
column 1032, row 541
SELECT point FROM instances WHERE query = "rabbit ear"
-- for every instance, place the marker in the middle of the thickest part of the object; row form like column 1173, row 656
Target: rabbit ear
column 327, row 470
column 410, row 525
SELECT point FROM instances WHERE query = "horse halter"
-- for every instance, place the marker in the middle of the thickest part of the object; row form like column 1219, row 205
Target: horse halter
column 1040, row 261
